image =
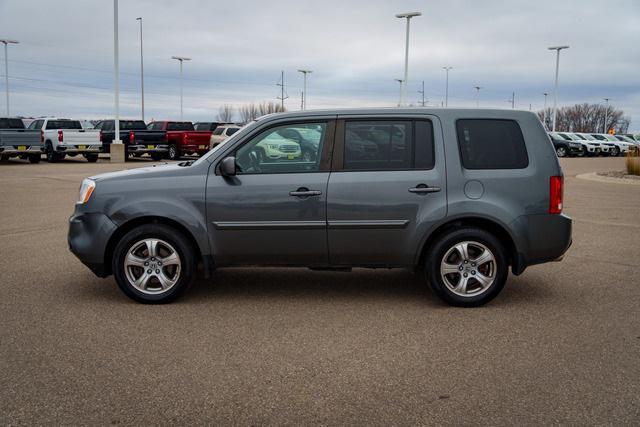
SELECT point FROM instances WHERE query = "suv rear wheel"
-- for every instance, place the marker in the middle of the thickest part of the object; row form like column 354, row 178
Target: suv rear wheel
column 467, row 267
column 154, row 264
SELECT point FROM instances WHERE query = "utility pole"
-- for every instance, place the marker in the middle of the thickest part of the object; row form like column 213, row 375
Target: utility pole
column 606, row 115
column 181, row 59
column 513, row 100
column 544, row 115
column 403, row 86
column 400, row 99
column 282, row 97
column 478, row 95
column 422, row 92
column 305, row 72
column 302, row 100
column 116, row 150
column 446, row 88
column 141, row 69
column 6, row 69
column 555, row 88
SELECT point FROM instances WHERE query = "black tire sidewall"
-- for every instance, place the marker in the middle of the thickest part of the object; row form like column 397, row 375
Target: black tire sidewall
column 443, row 244
column 171, row 236
column 173, row 149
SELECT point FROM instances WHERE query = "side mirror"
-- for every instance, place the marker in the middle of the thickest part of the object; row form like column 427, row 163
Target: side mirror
column 228, row 166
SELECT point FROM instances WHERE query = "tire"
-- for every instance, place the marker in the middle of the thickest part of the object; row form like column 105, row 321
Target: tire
column 614, row 152
column 177, row 277
column 34, row 158
column 156, row 157
column 561, row 151
column 91, row 158
column 52, row 156
column 477, row 242
column 173, row 153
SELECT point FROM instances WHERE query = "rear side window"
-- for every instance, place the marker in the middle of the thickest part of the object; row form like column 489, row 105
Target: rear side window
column 63, row 124
column 11, row 124
column 218, row 131
column 231, row 131
column 202, row 126
column 491, row 144
column 132, row 125
column 388, row 145
column 179, row 126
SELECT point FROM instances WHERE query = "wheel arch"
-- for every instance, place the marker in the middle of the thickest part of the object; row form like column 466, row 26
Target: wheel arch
column 490, row 225
column 143, row 220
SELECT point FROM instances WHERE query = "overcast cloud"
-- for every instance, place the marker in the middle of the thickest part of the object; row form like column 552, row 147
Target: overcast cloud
column 63, row 64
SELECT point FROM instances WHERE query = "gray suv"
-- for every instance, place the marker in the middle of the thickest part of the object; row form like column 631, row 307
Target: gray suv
column 461, row 195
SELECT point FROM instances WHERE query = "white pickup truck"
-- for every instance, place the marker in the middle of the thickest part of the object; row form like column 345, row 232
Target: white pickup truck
column 64, row 137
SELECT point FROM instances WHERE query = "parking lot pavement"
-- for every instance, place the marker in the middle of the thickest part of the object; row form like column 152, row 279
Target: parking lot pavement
column 561, row 344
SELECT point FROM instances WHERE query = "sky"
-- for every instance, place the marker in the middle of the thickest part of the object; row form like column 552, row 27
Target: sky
column 63, row 65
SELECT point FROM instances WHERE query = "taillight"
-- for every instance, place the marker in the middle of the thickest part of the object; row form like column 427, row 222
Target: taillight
column 132, row 137
column 60, row 136
column 100, row 136
column 184, row 138
column 41, row 137
column 556, row 190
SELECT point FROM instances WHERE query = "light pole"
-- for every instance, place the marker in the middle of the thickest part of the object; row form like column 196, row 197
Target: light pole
column 116, row 149
column 606, row 115
column 446, row 88
column 544, row 115
column 141, row 69
column 400, row 99
column 181, row 59
column 555, row 88
column 403, row 86
column 478, row 95
column 304, row 96
column 6, row 68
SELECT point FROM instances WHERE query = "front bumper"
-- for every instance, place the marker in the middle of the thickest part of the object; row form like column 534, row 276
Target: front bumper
column 14, row 150
column 88, row 236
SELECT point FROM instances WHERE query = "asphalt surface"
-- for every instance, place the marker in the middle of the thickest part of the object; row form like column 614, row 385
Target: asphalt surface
column 561, row 344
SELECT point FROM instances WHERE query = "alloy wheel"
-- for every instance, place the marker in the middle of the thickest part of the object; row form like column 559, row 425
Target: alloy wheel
column 468, row 268
column 152, row 266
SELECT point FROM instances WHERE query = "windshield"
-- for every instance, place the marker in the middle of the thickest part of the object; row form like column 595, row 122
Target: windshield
column 580, row 136
column 588, row 137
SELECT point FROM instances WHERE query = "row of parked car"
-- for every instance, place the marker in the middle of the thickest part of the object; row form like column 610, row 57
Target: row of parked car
column 58, row 138
column 578, row 144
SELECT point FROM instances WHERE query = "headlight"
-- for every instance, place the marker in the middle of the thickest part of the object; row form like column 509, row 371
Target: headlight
column 86, row 190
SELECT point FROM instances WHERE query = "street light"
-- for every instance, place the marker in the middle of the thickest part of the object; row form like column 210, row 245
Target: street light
column 6, row 68
column 606, row 115
column 446, row 89
column 141, row 69
column 181, row 59
column 403, row 86
column 478, row 95
column 400, row 99
column 304, row 93
column 555, row 89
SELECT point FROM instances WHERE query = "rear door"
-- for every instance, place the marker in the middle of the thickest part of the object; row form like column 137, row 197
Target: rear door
column 387, row 188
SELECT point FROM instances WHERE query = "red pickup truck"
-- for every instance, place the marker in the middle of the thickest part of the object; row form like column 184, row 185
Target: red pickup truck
column 182, row 138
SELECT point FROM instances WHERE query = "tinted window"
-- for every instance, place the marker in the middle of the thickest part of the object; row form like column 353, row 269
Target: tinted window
column 202, row 126
column 63, row 124
column 388, row 145
column 289, row 148
column 11, row 124
column 37, row 124
column 218, row 131
column 154, row 126
column 231, row 131
column 179, row 126
column 491, row 144
column 132, row 125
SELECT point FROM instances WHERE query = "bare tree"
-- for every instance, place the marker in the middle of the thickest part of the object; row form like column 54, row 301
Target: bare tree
column 587, row 118
column 248, row 112
column 226, row 113
column 269, row 108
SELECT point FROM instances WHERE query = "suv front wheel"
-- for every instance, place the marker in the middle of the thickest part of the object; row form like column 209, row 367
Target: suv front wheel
column 467, row 267
column 154, row 264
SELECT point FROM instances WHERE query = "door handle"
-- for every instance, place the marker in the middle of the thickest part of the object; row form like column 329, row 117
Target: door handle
column 424, row 189
column 305, row 192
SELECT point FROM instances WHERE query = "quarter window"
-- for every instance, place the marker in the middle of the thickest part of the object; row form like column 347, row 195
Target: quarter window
column 491, row 144
column 291, row 148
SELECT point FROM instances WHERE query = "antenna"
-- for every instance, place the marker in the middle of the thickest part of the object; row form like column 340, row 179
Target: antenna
column 282, row 96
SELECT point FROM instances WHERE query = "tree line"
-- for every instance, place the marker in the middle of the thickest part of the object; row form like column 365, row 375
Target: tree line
column 248, row 112
column 588, row 118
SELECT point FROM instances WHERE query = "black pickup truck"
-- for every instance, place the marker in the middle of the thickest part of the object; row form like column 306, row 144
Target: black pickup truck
column 137, row 139
column 16, row 141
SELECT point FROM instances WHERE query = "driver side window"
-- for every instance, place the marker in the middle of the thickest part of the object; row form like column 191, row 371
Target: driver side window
column 291, row 148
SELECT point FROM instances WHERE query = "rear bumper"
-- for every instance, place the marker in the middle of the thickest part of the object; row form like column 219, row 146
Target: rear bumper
column 88, row 236
column 145, row 148
column 541, row 238
column 78, row 148
column 20, row 149
column 194, row 148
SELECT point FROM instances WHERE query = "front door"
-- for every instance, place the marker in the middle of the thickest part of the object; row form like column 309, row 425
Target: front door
column 387, row 188
column 273, row 211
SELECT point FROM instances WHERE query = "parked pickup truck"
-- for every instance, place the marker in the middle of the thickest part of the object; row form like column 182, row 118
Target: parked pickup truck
column 16, row 141
column 137, row 139
column 64, row 137
column 182, row 138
